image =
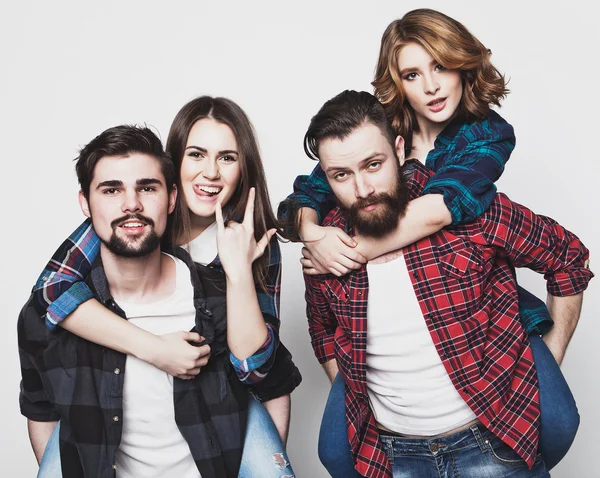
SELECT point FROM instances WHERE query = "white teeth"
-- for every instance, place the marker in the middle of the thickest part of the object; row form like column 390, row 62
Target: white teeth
column 210, row 189
column 133, row 224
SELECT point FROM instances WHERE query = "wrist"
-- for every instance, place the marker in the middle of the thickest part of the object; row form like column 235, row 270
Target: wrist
column 239, row 276
column 308, row 231
column 147, row 348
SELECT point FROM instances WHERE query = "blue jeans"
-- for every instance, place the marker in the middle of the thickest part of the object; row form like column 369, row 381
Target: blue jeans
column 558, row 425
column 264, row 454
column 471, row 453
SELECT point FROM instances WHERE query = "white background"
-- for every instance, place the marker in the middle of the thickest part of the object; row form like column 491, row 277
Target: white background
column 69, row 70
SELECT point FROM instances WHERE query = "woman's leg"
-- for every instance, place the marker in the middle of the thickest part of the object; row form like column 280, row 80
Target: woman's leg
column 50, row 465
column 560, row 418
column 334, row 448
column 264, row 455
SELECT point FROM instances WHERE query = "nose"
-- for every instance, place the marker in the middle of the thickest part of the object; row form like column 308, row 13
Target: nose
column 362, row 188
column 211, row 169
column 131, row 202
column 431, row 84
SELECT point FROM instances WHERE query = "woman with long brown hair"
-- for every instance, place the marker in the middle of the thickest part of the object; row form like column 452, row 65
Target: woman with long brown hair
column 224, row 218
column 437, row 85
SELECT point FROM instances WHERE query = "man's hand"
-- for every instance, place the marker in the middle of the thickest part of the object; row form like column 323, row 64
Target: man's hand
column 328, row 250
column 173, row 353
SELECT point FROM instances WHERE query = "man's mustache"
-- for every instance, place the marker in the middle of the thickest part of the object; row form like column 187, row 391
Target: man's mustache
column 129, row 217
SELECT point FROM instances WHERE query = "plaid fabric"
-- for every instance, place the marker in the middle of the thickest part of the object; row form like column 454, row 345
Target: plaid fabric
column 68, row 378
column 466, row 288
column 60, row 290
column 467, row 159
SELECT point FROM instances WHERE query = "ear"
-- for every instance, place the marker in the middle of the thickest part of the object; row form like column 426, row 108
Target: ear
column 399, row 144
column 83, row 203
column 172, row 199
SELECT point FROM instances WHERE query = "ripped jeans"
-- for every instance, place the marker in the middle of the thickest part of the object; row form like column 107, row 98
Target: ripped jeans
column 264, row 455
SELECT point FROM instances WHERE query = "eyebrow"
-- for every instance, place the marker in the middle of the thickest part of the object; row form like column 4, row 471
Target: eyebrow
column 414, row 68
column 115, row 183
column 204, row 150
column 361, row 163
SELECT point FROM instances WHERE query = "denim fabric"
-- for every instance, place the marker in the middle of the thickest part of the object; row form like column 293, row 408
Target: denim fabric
column 264, row 455
column 558, row 426
column 471, row 453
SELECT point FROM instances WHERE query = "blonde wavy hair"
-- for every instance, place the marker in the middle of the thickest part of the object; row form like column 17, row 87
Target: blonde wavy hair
column 453, row 47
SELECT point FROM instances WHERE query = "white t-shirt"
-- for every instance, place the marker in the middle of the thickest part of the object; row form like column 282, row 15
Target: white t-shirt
column 408, row 387
column 151, row 444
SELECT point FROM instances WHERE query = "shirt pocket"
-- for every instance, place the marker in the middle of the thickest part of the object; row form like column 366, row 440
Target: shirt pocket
column 462, row 267
column 338, row 296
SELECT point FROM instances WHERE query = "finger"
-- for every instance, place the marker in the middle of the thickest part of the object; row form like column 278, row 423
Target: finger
column 310, row 272
column 249, row 213
column 264, row 241
column 306, row 253
column 192, row 337
column 355, row 256
column 346, row 262
column 219, row 219
column 194, row 371
column 338, row 270
column 307, row 263
column 346, row 239
column 201, row 362
column 185, row 376
column 202, row 351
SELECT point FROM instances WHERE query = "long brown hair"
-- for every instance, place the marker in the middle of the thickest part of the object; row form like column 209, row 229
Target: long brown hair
column 453, row 47
column 252, row 174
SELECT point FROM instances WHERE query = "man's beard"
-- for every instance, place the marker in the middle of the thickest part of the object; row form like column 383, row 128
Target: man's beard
column 384, row 219
column 129, row 248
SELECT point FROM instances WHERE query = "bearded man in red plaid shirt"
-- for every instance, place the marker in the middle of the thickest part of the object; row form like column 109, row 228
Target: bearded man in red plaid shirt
column 438, row 370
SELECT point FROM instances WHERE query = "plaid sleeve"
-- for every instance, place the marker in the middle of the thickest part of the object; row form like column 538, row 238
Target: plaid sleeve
column 321, row 321
column 309, row 191
column 31, row 335
column 539, row 243
column 59, row 289
column 256, row 367
column 466, row 175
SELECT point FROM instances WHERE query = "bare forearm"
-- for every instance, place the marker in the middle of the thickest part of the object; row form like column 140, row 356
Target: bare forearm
column 39, row 434
column 565, row 313
column 306, row 218
column 96, row 323
column 246, row 328
column 279, row 409
column 424, row 216
column 331, row 369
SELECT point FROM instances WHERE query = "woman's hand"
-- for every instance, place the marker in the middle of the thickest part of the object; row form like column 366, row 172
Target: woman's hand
column 173, row 353
column 236, row 244
column 329, row 250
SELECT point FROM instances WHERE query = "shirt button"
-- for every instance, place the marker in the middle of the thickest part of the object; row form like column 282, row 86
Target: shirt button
column 359, row 335
column 360, row 293
column 114, row 467
column 117, row 371
column 45, row 278
column 116, row 418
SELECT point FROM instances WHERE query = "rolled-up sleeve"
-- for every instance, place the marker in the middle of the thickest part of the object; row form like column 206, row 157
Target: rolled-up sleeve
column 60, row 288
column 465, row 176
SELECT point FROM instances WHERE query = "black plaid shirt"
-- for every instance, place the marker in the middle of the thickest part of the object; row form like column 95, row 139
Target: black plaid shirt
column 80, row 383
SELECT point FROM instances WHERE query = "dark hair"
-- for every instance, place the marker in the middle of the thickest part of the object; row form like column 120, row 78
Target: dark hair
column 122, row 141
column 229, row 113
column 452, row 46
column 341, row 115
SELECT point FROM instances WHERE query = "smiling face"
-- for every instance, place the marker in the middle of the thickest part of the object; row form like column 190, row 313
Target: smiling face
column 433, row 91
column 210, row 169
column 129, row 204
column 363, row 171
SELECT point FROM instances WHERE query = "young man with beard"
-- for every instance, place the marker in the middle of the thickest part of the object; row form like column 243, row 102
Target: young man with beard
column 118, row 412
column 438, row 369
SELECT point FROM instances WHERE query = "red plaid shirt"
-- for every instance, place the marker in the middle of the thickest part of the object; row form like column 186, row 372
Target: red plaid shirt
column 466, row 288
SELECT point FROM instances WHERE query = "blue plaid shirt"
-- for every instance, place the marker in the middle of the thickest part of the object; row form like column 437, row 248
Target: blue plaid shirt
column 466, row 160
column 60, row 289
